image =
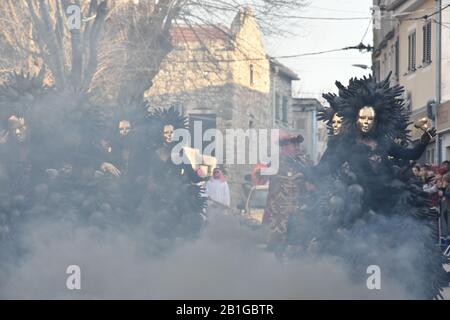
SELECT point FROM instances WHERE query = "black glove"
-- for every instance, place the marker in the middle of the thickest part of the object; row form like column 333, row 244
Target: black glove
column 426, row 137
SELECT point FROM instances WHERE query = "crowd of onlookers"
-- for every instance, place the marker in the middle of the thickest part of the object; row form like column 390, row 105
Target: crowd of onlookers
column 435, row 181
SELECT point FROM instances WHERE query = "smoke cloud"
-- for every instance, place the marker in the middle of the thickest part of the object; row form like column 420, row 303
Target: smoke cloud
column 225, row 262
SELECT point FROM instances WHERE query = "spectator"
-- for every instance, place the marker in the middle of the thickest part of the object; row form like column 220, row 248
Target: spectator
column 429, row 185
column 445, row 205
column 218, row 193
column 432, row 186
column 443, row 168
column 416, row 171
column 431, row 171
column 423, row 173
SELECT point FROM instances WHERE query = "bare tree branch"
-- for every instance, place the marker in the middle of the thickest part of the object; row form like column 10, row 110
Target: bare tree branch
column 121, row 44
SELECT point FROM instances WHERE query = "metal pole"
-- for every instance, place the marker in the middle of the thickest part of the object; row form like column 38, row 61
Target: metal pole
column 438, row 74
column 438, row 93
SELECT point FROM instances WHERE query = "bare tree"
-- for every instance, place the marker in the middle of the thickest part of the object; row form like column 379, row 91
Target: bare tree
column 38, row 34
column 120, row 44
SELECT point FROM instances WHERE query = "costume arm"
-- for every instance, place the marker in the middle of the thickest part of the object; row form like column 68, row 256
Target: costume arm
column 416, row 152
column 430, row 189
column 330, row 162
column 192, row 175
column 403, row 153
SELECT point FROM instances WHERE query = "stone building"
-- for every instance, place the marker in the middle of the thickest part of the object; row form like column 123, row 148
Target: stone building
column 223, row 78
column 281, row 78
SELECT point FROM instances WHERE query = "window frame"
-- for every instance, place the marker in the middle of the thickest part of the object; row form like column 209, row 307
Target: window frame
column 277, row 106
column 412, row 51
column 284, row 109
column 427, row 42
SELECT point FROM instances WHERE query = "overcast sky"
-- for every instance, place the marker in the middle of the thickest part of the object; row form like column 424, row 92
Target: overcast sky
column 318, row 73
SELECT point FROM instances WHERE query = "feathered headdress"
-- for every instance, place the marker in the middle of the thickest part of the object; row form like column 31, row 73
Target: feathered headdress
column 132, row 109
column 326, row 114
column 160, row 117
column 20, row 91
column 168, row 116
column 391, row 115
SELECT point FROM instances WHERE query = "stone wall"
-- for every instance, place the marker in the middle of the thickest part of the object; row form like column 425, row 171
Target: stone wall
column 282, row 86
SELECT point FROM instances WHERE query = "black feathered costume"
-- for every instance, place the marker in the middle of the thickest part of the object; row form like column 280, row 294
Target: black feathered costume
column 170, row 200
column 21, row 163
column 365, row 206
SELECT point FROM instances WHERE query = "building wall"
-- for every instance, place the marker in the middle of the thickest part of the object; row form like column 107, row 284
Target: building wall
column 281, row 86
column 304, row 121
column 322, row 140
column 422, row 82
column 446, row 53
column 444, row 108
column 420, row 85
column 249, row 54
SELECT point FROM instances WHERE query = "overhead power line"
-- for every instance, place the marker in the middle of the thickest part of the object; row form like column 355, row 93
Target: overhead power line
column 336, row 10
column 327, row 18
column 426, row 16
column 360, row 47
column 442, row 24
column 367, row 30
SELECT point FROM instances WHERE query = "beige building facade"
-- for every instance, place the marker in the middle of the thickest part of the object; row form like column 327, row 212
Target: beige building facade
column 407, row 44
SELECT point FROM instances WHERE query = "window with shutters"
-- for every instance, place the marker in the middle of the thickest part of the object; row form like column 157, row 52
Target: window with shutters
column 285, row 109
column 427, row 42
column 412, row 51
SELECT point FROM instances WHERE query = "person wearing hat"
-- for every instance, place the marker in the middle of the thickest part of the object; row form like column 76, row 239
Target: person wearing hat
column 286, row 189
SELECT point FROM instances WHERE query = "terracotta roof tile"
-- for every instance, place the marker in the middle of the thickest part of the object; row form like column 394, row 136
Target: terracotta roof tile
column 199, row 32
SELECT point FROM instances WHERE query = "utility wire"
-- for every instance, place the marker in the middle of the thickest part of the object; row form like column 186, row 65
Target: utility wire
column 327, row 18
column 367, row 30
column 426, row 16
column 441, row 24
column 336, row 10
column 360, row 47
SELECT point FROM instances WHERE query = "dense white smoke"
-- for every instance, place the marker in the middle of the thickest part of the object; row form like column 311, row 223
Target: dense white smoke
column 226, row 262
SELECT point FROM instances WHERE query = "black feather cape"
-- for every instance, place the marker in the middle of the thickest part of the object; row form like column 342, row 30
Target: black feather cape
column 366, row 210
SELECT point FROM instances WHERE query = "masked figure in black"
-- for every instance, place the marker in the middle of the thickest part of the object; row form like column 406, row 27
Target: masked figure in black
column 22, row 166
column 170, row 201
column 363, row 207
